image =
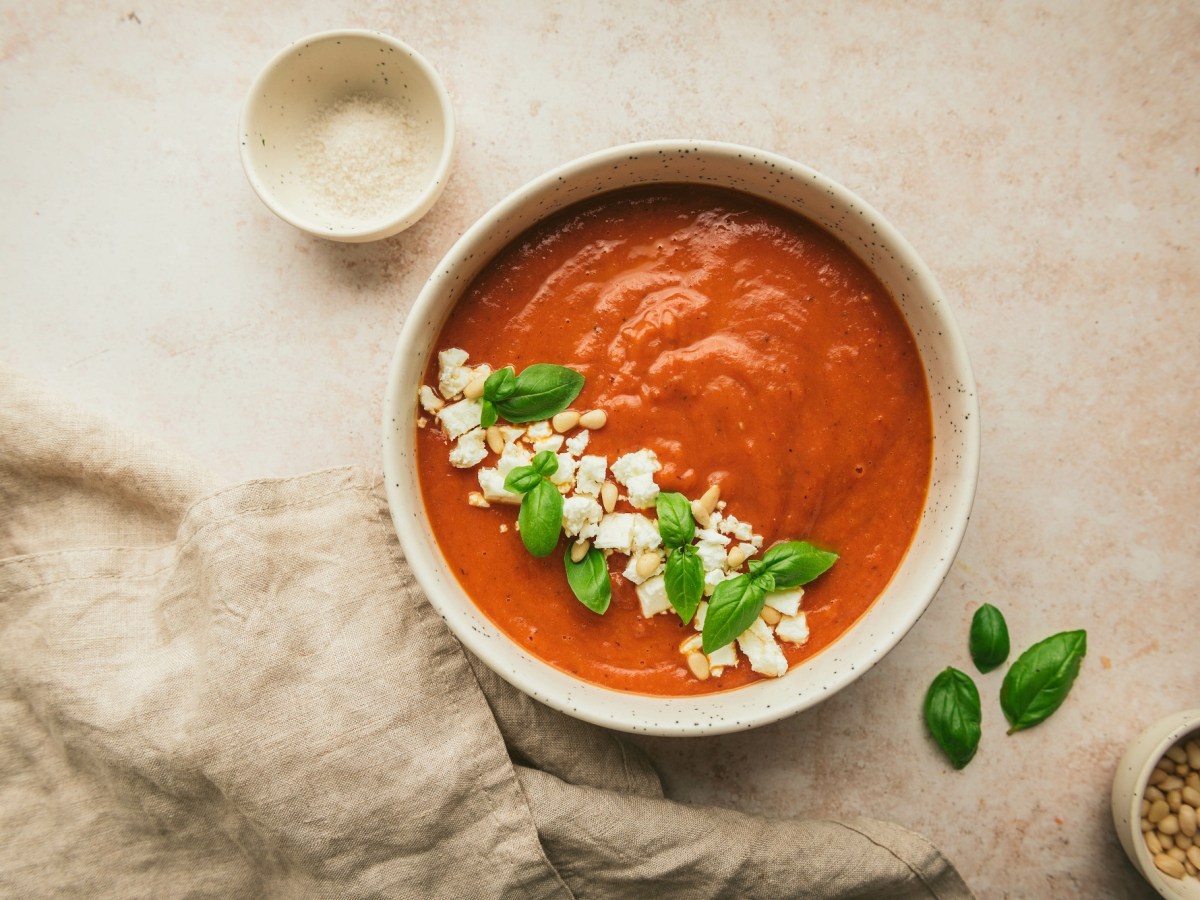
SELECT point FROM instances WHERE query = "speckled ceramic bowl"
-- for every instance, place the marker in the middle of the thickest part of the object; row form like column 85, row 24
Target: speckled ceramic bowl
column 956, row 433
column 348, row 135
column 1129, row 786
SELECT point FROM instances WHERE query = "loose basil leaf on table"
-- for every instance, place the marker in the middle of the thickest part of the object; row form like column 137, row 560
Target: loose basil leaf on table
column 1039, row 681
column 540, row 518
column 588, row 579
column 675, row 522
column 794, row 563
column 684, row 579
column 988, row 641
column 539, row 392
column 734, row 606
column 953, row 715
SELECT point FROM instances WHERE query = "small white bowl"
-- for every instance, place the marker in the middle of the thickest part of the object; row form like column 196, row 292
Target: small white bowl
column 948, row 372
column 360, row 74
column 1129, row 785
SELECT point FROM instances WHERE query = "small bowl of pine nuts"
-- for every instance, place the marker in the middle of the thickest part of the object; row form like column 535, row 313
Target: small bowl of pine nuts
column 1156, row 805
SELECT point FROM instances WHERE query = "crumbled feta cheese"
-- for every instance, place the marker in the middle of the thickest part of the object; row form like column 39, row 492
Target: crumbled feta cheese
column 715, row 577
column 711, row 549
column 631, row 573
column 627, row 533
column 491, row 482
column 470, row 449
column 553, row 444
column 565, row 473
column 748, row 550
column 577, row 444
column 453, row 376
column 724, row 657
column 793, row 629
column 459, row 418
column 536, row 431
column 476, row 499
column 642, row 491
column 760, row 648
column 510, row 433
column 701, row 612
column 633, row 465
column 652, row 595
column 514, row 456
column 730, row 525
column 712, row 537
column 757, row 541
column 430, row 401
column 422, row 421
column 589, row 477
column 581, row 517
column 786, row 602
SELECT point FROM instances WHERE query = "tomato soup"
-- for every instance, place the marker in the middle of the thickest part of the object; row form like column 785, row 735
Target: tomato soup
column 747, row 348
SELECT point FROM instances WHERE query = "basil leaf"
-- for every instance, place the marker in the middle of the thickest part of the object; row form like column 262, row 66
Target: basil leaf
column 500, row 385
column 546, row 463
column 989, row 638
column 541, row 391
column 953, row 715
column 540, row 518
column 1040, row 679
column 684, row 580
column 675, row 522
column 796, row 562
column 588, row 579
column 734, row 606
column 522, row 479
column 487, row 416
column 760, row 575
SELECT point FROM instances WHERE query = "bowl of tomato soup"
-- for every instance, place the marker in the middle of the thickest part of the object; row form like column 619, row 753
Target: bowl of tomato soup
column 750, row 341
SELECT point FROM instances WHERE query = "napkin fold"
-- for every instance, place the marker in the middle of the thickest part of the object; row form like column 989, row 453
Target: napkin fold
column 240, row 692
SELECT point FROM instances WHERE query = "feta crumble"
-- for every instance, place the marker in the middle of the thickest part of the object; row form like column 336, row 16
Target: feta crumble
column 430, row 401
column 758, row 643
column 581, row 517
column 459, row 418
column 652, row 595
column 793, row 629
column 470, row 449
column 589, row 476
column 786, row 602
column 453, row 376
column 491, row 482
column 636, row 472
column 577, row 444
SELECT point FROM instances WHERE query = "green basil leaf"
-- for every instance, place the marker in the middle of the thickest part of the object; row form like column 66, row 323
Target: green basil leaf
column 989, row 638
column 545, row 462
column 541, row 391
column 794, row 563
column 589, row 580
column 522, row 479
column 734, row 606
column 540, row 518
column 487, row 417
column 684, row 579
column 675, row 522
column 500, row 385
column 761, row 575
column 1039, row 681
column 953, row 715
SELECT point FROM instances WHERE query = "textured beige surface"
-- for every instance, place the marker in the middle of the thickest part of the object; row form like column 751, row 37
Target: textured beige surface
column 1043, row 158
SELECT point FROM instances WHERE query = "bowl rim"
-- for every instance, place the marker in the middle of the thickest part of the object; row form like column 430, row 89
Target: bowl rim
column 1138, row 761
column 383, row 227
column 643, row 713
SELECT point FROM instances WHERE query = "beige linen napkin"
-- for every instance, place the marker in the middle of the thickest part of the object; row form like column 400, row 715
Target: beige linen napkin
column 240, row 693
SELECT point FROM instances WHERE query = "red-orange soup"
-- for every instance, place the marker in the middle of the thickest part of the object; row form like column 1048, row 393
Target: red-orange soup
column 742, row 344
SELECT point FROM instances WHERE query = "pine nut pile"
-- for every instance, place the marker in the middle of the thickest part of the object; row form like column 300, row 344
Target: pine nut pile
column 1169, row 811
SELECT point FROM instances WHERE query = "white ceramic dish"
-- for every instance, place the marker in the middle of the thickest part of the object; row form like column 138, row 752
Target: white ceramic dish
column 1129, row 785
column 956, row 433
column 311, row 75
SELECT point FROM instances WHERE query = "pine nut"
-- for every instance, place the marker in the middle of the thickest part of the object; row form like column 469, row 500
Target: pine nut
column 1158, row 811
column 1191, row 796
column 1171, row 783
column 1169, row 865
column 1168, row 825
column 1158, row 776
column 702, row 516
column 1176, row 754
column 608, row 496
column 691, row 644
column 1184, row 842
column 474, row 390
column 770, row 615
column 593, row 419
column 1178, row 855
column 1174, row 800
column 476, row 499
column 1153, row 793
column 735, row 558
column 647, row 564
column 1146, row 826
column 710, row 498
column 1187, row 820
column 1168, row 841
column 1193, row 781
column 1193, row 855
column 495, row 439
column 579, row 550
column 1192, row 749
column 565, row 420
column 1145, row 807
column 1191, row 869
column 698, row 663
column 1182, row 769
column 1153, row 844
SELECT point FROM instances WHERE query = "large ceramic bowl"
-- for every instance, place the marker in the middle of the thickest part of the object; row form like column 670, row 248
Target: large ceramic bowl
column 952, row 388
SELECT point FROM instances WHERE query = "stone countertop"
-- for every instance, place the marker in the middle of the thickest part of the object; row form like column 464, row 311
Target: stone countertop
column 1043, row 158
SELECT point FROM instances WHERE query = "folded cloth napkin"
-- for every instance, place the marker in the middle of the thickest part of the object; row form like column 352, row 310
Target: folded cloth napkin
column 241, row 693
